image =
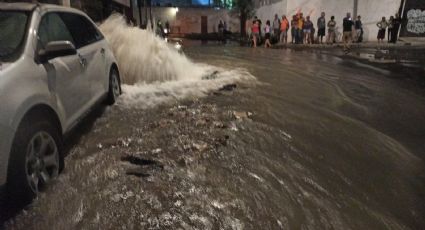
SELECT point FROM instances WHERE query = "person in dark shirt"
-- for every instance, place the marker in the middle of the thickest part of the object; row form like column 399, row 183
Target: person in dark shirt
column 347, row 31
column 358, row 25
column 396, row 28
column 307, row 29
column 321, row 27
column 390, row 25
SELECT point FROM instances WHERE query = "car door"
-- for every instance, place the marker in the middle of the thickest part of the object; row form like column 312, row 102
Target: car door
column 91, row 51
column 65, row 74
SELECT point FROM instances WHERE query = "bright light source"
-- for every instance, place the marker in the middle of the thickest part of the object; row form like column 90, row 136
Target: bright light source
column 176, row 9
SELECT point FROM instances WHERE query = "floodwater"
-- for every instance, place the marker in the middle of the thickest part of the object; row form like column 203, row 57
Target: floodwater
column 336, row 142
column 330, row 142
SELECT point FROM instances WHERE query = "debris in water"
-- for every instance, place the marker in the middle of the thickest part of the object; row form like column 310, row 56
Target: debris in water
column 233, row 127
column 200, row 147
column 156, row 151
column 211, row 76
column 229, row 87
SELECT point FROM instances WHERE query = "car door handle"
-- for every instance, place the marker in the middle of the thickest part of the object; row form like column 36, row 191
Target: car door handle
column 102, row 51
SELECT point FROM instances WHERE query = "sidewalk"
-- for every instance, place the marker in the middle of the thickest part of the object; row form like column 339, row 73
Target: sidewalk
column 402, row 43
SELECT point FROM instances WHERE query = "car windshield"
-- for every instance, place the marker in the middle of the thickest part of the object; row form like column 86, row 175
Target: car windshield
column 13, row 26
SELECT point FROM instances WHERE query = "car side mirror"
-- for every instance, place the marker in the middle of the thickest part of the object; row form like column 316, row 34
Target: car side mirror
column 56, row 49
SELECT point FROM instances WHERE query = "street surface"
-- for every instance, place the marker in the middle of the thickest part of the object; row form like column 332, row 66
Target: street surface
column 318, row 141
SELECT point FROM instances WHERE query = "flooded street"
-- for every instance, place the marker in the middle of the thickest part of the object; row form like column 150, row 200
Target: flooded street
column 316, row 141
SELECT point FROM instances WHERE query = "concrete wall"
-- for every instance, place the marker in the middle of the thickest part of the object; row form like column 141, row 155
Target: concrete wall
column 371, row 11
column 188, row 20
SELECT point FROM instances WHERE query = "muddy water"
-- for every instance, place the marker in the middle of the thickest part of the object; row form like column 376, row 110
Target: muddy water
column 335, row 142
column 332, row 143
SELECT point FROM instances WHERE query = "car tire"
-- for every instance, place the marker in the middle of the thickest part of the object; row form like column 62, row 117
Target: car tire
column 114, row 86
column 36, row 158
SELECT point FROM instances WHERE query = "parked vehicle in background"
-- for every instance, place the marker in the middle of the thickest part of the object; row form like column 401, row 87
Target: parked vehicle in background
column 55, row 66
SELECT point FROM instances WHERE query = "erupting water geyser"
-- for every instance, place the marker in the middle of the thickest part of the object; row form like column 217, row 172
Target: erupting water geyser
column 152, row 72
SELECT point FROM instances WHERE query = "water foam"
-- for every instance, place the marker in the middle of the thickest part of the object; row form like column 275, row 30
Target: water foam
column 153, row 72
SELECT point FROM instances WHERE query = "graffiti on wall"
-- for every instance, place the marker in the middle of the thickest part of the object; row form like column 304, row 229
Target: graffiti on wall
column 416, row 21
column 413, row 23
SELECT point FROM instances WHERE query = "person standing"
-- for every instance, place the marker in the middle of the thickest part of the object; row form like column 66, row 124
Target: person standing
column 220, row 31
column 321, row 27
column 308, row 27
column 276, row 27
column 390, row 25
column 294, row 24
column 382, row 27
column 255, row 32
column 396, row 28
column 331, row 31
column 259, row 26
column 359, row 29
column 284, row 26
column 267, row 31
column 300, row 28
column 347, row 31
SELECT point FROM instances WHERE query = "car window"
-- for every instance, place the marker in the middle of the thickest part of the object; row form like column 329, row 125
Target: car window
column 82, row 30
column 13, row 30
column 52, row 28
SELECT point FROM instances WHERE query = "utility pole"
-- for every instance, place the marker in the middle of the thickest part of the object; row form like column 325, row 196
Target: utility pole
column 355, row 9
column 150, row 12
column 139, row 5
column 145, row 5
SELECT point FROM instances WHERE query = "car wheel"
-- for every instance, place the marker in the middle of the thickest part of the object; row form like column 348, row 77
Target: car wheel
column 114, row 86
column 36, row 159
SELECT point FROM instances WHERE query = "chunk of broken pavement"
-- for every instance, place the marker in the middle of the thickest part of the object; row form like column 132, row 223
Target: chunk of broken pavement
column 228, row 87
column 242, row 115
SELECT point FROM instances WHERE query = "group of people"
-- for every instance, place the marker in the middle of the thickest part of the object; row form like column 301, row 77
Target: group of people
column 392, row 25
column 303, row 30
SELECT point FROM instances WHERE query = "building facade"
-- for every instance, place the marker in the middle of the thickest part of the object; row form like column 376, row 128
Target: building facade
column 192, row 20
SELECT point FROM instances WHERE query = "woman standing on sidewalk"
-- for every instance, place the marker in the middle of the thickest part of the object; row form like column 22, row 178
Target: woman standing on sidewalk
column 331, row 31
column 267, row 31
column 382, row 26
column 255, row 32
column 284, row 26
column 308, row 27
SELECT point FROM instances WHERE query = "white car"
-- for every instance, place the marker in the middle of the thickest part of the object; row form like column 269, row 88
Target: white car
column 55, row 66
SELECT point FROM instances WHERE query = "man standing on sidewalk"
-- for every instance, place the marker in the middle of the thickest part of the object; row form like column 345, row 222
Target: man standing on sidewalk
column 321, row 27
column 359, row 29
column 347, row 32
column 396, row 28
